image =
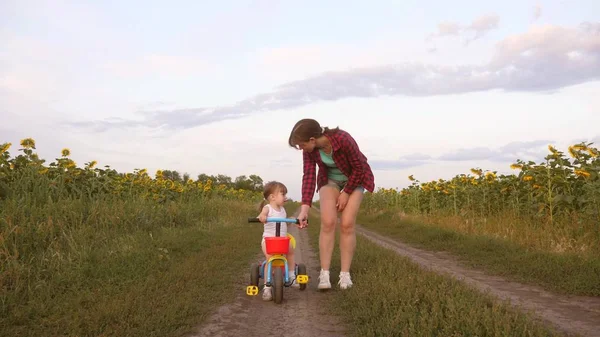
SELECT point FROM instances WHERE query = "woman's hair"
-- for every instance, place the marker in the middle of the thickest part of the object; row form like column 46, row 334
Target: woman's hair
column 271, row 187
column 305, row 129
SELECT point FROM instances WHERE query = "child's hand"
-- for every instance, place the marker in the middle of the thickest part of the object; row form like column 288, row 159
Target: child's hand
column 262, row 218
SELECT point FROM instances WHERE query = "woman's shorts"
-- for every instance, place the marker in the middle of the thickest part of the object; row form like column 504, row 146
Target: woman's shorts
column 341, row 184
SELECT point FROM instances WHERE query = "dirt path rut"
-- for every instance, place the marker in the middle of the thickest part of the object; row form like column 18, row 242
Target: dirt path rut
column 302, row 312
column 571, row 314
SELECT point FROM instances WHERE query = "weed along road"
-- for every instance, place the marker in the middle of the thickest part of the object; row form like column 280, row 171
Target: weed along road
column 573, row 315
column 302, row 313
column 403, row 291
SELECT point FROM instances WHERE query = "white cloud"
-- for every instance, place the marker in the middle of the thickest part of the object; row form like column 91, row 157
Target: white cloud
column 384, row 98
column 537, row 12
column 158, row 64
column 27, row 67
column 478, row 28
column 537, row 60
column 482, row 25
column 526, row 150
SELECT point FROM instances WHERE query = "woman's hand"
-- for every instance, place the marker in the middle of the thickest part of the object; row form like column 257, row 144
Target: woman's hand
column 303, row 216
column 342, row 201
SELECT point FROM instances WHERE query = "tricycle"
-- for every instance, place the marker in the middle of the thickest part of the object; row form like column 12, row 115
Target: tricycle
column 277, row 265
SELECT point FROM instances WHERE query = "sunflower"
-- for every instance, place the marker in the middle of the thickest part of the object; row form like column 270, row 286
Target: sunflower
column 582, row 173
column 28, row 143
column 4, row 147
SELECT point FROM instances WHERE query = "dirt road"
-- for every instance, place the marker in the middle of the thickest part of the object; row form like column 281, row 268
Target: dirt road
column 306, row 316
column 571, row 314
column 302, row 311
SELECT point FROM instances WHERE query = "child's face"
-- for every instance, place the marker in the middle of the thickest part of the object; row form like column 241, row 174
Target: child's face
column 279, row 198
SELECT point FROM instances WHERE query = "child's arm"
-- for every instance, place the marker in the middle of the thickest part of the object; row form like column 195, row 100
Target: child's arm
column 263, row 214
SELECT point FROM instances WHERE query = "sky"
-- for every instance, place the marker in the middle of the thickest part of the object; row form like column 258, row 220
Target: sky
column 428, row 88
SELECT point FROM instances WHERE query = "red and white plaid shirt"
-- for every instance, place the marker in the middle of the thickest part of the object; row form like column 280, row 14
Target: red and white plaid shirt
column 347, row 157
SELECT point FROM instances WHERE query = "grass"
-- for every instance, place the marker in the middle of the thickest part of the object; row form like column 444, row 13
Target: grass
column 120, row 268
column 567, row 272
column 393, row 296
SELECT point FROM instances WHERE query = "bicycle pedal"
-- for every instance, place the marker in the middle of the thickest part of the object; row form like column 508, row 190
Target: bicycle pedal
column 251, row 290
column 302, row 279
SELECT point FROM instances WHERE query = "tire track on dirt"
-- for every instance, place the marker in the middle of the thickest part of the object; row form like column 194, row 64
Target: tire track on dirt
column 570, row 314
column 302, row 313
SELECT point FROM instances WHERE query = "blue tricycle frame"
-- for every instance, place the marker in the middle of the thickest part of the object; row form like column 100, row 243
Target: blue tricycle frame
column 277, row 277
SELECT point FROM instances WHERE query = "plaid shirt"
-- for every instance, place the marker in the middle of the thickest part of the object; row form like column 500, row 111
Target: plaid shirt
column 347, row 157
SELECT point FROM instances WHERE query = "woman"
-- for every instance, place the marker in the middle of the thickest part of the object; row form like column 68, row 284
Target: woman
column 344, row 175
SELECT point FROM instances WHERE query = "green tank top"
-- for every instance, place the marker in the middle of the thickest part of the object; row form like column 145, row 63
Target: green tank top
column 333, row 172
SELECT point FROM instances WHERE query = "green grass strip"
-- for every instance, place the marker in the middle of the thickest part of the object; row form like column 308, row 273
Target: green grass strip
column 159, row 282
column 566, row 273
column 393, row 296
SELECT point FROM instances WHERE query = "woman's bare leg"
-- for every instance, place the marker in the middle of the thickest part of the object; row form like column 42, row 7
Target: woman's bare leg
column 347, row 231
column 328, row 199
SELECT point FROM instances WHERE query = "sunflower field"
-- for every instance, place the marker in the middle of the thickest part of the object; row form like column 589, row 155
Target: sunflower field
column 26, row 175
column 65, row 227
column 560, row 195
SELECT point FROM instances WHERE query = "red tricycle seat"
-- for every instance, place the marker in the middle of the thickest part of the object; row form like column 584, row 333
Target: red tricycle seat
column 277, row 245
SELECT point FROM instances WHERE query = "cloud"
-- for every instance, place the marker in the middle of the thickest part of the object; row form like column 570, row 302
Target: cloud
column 27, row 68
column 537, row 12
column 526, row 150
column 478, row 27
column 476, row 153
column 383, row 165
column 509, row 152
column 416, row 156
column 482, row 26
column 542, row 59
column 447, row 29
column 410, row 160
column 158, row 64
column 595, row 140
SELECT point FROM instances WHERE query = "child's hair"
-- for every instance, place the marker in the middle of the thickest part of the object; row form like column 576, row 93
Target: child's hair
column 271, row 187
column 305, row 129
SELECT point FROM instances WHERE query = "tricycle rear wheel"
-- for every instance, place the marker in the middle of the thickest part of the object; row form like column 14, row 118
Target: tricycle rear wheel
column 254, row 274
column 301, row 271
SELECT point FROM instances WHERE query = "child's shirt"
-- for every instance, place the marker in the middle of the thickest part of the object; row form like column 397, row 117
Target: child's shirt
column 269, row 227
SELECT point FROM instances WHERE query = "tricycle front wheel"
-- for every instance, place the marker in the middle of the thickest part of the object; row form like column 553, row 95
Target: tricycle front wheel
column 278, row 285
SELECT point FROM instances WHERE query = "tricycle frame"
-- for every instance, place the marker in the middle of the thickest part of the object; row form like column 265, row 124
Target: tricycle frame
column 277, row 267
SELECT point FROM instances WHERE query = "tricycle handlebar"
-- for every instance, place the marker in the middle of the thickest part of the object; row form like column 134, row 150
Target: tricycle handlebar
column 288, row 220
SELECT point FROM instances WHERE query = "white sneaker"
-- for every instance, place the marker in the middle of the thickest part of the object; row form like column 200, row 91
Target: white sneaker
column 345, row 282
column 294, row 283
column 267, row 294
column 324, row 282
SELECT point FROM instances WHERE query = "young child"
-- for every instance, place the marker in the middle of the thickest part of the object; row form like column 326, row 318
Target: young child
column 272, row 206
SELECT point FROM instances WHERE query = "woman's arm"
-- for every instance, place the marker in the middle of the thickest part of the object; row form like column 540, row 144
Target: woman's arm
column 309, row 180
column 356, row 159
